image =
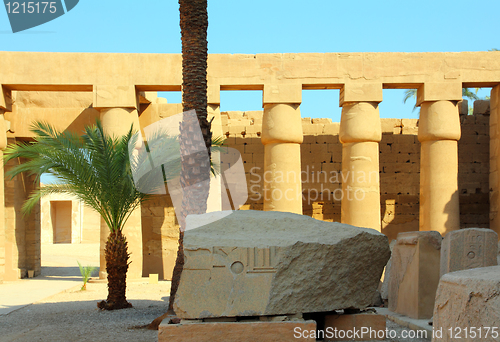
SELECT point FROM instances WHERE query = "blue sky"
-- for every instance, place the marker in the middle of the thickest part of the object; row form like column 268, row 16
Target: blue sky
column 259, row 26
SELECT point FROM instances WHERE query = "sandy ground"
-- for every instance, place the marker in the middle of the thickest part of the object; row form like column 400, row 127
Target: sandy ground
column 72, row 315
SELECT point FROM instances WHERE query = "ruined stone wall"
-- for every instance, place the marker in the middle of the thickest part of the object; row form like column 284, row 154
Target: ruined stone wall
column 474, row 167
column 321, row 154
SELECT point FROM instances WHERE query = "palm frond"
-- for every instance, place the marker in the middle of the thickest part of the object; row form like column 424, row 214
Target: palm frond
column 93, row 167
column 410, row 93
column 467, row 93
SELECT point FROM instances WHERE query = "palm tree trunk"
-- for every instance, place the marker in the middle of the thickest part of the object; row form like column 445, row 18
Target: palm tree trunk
column 195, row 169
column 117, row 256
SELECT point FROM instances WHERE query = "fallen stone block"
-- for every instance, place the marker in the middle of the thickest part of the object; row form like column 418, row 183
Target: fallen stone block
column 414, row 274
column 468, row 306
column 238, row 332
column 356, row 327
column 498, row 256
column 254, row 263
column 464, row 249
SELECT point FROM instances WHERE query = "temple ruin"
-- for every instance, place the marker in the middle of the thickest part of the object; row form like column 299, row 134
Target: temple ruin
column 439, row 173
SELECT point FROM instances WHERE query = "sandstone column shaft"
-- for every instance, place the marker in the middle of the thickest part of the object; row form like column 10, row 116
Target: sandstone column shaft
column 116, row 122
column 439, row 131
column 3, row 144
column 282, row 136
column 360, row 132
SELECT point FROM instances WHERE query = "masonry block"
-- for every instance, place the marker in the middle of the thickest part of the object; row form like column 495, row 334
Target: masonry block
column 414, row 273
column 238, row 331
column 111, row 96
column 468, row 248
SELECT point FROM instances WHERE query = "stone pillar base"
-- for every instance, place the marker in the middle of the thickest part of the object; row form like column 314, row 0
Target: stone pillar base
column 238, row 331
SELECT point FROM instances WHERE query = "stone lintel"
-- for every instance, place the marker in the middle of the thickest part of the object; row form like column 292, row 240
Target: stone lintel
column 238, row 331
column 114, row 96
column 5, row 100
column 360, row 92
column 166, row 110
column 439, row 91
column 213, row 93
column 282, row 93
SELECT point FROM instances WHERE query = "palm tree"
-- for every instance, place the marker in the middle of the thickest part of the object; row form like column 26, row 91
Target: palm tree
column 196, row 167
column 96, row 169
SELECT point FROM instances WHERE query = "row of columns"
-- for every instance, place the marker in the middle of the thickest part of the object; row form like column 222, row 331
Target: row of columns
column 360, row 134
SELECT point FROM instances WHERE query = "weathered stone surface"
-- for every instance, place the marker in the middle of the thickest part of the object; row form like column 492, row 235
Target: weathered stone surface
column 238, row 332
column 414, row 275
column 384, row 288
column 468, row 248
column 468, row 299
column 270, row 263
column 498, row 256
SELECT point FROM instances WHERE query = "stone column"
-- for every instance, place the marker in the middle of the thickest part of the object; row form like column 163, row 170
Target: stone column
column 5, row 106
column 360, row 133
column 282, row 136
column 495, row 159
column 118, row 107
column 438, row 133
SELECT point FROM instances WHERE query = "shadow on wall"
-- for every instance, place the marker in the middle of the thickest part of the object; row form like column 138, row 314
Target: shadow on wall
column 399, row 181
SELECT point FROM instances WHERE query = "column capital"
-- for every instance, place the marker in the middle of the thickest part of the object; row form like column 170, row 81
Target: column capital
column 289, row 93
column 360, row 122
column 360, row 92
column 114, row 96
column 5, row 99
column 438, row 91
column 439, row 120
column 281, row 123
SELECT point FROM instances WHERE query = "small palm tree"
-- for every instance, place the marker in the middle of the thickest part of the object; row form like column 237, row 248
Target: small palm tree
column 86, row 273
column 96, row 169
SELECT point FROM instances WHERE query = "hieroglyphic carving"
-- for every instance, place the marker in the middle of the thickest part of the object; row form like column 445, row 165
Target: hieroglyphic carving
column 236, row 259
column 468, row 248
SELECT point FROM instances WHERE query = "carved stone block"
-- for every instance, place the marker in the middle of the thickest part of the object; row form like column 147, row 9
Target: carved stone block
column 253, row 263
column 464, row 249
